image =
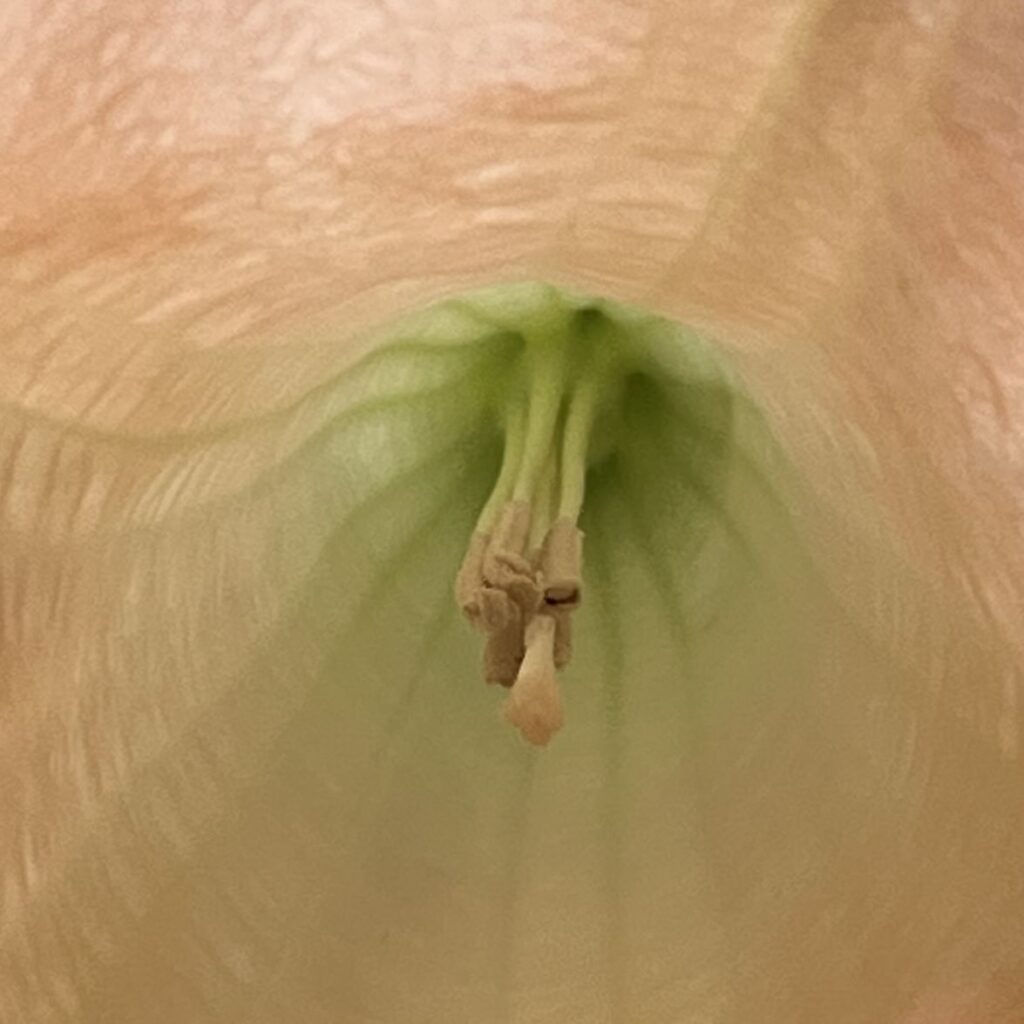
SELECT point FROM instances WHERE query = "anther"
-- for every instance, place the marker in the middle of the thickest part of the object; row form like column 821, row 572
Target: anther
column 469, row 581
column 563, row 634
column 506, row 565
column 504, row 650
column 560, row 563
column 506, row 562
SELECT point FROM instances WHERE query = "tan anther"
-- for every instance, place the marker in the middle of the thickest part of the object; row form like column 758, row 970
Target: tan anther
column 561, row 562
column 563, row 634
column 506, row 565
column 496, row 609
column 470, row 579
column 506, row 559
column 504, row 650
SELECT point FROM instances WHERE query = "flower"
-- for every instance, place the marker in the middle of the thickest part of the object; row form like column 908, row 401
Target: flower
column 250, row 771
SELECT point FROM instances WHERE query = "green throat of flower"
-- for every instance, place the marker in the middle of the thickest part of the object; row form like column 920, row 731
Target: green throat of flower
column 592, row 467
column 578, row 380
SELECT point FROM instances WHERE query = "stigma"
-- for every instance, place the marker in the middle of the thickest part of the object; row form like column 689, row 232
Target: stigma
column 521, row 579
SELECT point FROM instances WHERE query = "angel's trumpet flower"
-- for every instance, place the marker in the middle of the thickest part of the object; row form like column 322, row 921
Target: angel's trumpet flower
column 682, row 341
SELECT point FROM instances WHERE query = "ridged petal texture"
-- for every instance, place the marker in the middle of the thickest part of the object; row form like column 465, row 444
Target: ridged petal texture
column 248, row 772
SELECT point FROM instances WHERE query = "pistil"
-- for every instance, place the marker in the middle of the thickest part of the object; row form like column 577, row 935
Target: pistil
column 534, row 706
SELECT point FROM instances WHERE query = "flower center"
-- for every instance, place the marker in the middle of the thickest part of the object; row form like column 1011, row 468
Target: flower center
column 521, row 578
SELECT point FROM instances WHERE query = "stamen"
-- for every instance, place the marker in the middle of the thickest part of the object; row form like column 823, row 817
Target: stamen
column 547, row 384
column 512, row 457
column 506, row 565
column 497, row 609
column 545, row 508
column 485, row 607
column 586, row 401
column 563, row 634
column 470, row 578
column 561, row 558
column 534, row 706
column 504, row 650
column 521, row 578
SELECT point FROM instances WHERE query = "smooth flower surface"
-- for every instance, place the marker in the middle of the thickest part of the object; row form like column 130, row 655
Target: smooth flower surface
column 249, row 771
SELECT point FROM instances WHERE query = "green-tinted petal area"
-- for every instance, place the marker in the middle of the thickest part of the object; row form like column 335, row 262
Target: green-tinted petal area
column 305, row 805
